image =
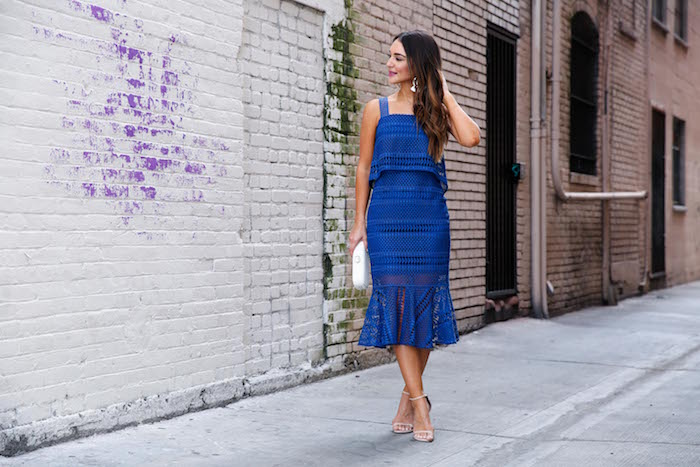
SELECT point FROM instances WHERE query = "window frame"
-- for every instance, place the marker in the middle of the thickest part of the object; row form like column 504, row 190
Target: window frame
column 664, row 7
column 583, row 109
column 678, row 156
column 681, row 32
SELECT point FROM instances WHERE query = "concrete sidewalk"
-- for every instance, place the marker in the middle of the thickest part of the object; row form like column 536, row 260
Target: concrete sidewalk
column 599, row 387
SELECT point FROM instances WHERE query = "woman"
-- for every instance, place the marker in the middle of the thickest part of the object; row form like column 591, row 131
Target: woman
column 407, row 225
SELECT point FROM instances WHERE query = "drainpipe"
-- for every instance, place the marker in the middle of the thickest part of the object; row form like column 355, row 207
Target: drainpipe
column 537, row 298
column 605, row 162
column 642, row 286
column 542, row 156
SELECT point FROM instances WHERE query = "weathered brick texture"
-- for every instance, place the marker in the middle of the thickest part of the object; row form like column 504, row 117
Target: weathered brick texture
column 161, row 234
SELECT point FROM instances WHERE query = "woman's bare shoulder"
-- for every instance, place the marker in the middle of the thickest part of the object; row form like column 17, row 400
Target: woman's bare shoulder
column 371, row 111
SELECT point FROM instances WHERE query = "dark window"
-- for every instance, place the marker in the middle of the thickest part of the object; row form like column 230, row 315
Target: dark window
column 678, row 162
column 584, row 94
column 682, row 19
column 658, row 10
column 658, row 189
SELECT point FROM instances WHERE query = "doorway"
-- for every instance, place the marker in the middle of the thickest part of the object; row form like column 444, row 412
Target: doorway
column 501, row 268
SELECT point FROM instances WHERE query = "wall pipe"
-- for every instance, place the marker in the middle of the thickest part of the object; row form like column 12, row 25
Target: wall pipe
column 537, row 298
column 556, row 85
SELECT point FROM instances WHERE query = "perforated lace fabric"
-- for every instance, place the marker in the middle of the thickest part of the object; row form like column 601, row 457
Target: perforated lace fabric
column 408, row 240
column 401, row 144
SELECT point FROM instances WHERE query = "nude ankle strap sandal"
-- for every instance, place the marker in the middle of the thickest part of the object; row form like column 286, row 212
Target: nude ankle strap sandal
column 423, row 435
column 402, row 427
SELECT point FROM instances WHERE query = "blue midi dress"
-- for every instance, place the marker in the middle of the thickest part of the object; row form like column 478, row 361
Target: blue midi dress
column 408, row 240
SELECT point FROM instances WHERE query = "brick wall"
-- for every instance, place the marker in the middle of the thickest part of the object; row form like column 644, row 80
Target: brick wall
column 574, row 228
column 283, row 73
column 629, row 147
column 674, row 74
column 363, row 44
column 161, row 240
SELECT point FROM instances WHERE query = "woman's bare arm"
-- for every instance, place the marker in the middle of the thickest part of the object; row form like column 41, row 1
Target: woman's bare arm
column 368, row 128
column 464, row 129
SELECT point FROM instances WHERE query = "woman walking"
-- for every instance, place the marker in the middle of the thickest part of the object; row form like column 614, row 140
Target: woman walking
column 407, row 225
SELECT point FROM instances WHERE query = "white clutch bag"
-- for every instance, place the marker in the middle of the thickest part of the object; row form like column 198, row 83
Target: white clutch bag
column 360, row 267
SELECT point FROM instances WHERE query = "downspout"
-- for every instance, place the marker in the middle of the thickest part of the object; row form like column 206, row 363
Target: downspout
column 543, row 158
column 642, row 286
column 605, row 162
column 536, row 287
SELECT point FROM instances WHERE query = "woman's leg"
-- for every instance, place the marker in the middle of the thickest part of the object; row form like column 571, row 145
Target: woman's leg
column 404, row 413
column 412, row 362
column 424, row 354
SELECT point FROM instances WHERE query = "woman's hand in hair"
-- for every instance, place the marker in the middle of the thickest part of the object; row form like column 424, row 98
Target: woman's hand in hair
column 444, row 88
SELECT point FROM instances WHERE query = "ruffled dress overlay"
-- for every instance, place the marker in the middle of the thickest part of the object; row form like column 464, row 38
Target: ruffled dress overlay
column 408, row 240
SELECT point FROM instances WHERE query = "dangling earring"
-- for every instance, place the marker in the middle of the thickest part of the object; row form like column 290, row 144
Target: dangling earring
column 413, row 88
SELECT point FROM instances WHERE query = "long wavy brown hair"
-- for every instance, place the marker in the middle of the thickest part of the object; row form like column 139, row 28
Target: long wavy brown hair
column 425, row 64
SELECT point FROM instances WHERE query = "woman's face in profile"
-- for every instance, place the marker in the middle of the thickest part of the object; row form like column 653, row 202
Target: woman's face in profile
column 398, row 64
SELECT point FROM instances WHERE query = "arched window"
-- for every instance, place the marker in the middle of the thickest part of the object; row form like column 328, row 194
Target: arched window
column 584, row 94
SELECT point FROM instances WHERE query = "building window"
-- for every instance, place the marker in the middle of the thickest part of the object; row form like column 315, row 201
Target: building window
column 682, row 20
column 584, row 94
column 678, row 162
column 658, row 10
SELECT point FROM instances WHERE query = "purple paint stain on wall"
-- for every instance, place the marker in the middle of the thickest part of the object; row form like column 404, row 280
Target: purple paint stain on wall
column 194, row 168
column 134, row 101
column 89, row 189
column 131, row 207
column 101, row 14
column 130, row 53
column 141, row 146
column 149, row 192
column 109, row 173
column 77, row 6
column 116, row 191
column 170, row 78
column 156, row 132
column 152, row 163
column 135, row 83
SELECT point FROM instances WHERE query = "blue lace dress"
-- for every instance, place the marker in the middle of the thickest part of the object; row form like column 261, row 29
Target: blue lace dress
column 408, row 240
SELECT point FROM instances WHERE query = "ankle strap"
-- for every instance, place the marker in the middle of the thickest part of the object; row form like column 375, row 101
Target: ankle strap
column 416, row 398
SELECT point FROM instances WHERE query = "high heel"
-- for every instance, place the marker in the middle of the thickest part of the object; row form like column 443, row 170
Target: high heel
column 402, row 427
column 427, row 436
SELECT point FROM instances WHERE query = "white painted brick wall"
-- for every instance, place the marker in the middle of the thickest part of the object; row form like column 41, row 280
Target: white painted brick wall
column 161, row 184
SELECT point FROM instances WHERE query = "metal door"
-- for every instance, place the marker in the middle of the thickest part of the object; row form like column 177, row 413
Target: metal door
column 501, row 270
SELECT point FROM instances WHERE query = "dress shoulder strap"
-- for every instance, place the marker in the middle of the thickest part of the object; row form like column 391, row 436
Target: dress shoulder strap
column 383, row 106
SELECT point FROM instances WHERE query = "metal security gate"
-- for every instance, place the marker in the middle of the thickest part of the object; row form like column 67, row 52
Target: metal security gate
column 500, row 155
column 658, row 186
